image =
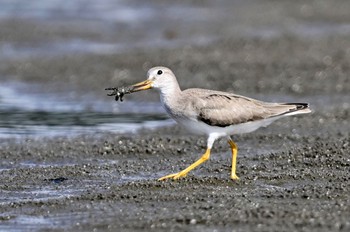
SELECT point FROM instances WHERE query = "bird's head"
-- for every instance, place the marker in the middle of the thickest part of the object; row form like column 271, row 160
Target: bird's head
column 159, row 77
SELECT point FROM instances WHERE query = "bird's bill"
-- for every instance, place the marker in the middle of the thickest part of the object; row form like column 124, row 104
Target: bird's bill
column 147, row 84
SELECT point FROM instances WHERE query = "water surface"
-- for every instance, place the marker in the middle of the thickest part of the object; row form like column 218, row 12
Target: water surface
column 26, row 110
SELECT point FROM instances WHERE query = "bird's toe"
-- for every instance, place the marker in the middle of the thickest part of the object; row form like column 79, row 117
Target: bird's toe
column 234, row 177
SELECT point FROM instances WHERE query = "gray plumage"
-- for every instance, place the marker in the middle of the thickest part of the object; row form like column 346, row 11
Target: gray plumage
column 213, row 113
column 222, row 109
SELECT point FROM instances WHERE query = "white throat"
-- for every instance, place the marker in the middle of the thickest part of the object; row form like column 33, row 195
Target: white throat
column 169, row 90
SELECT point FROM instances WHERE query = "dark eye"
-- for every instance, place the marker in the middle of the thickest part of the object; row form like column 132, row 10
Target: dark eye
column 160, row 72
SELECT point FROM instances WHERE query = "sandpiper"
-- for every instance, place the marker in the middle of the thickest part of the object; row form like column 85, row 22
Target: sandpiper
column 212, row 113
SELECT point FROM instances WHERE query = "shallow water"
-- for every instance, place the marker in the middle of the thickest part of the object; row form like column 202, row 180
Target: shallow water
column 26, row 110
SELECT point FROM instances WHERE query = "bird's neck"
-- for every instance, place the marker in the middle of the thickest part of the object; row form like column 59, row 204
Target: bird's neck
column 170, row 93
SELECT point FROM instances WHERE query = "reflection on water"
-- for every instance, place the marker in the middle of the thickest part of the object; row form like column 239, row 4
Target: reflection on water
column 42, row 114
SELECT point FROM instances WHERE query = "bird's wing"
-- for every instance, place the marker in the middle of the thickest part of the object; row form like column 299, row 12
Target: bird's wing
column 224, row 109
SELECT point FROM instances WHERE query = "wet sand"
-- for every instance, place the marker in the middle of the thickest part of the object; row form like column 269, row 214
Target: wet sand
column 294, row 175
column 290, row 177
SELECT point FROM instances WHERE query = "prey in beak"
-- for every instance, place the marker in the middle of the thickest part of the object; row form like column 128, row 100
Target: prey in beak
column 119, row 92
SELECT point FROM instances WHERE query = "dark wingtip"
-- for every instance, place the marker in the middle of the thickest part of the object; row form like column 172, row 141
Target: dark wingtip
column 300, row 106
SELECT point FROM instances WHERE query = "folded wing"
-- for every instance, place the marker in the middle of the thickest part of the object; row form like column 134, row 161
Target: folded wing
column 223, row 109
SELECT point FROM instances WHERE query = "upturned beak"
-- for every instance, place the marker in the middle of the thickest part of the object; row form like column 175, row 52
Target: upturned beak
column 147, row 84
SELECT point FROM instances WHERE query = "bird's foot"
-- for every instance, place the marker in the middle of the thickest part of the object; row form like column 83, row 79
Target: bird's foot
column 175, row 176
column 234, row 177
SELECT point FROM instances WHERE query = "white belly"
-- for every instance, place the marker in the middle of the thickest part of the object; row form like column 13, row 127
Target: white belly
column 202, row 128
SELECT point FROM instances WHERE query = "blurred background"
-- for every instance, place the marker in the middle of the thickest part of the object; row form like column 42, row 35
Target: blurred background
column 56, row 57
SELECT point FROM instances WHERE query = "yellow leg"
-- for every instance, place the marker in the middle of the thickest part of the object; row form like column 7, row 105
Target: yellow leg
column 184, row 172
column 234, row 160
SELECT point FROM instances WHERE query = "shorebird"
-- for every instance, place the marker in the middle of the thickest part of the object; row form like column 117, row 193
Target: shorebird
column 213, row 113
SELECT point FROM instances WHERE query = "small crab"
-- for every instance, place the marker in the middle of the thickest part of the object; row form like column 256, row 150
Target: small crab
column 119, row 92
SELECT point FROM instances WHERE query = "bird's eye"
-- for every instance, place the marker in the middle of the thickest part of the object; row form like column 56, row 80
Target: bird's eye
column 160, row 72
